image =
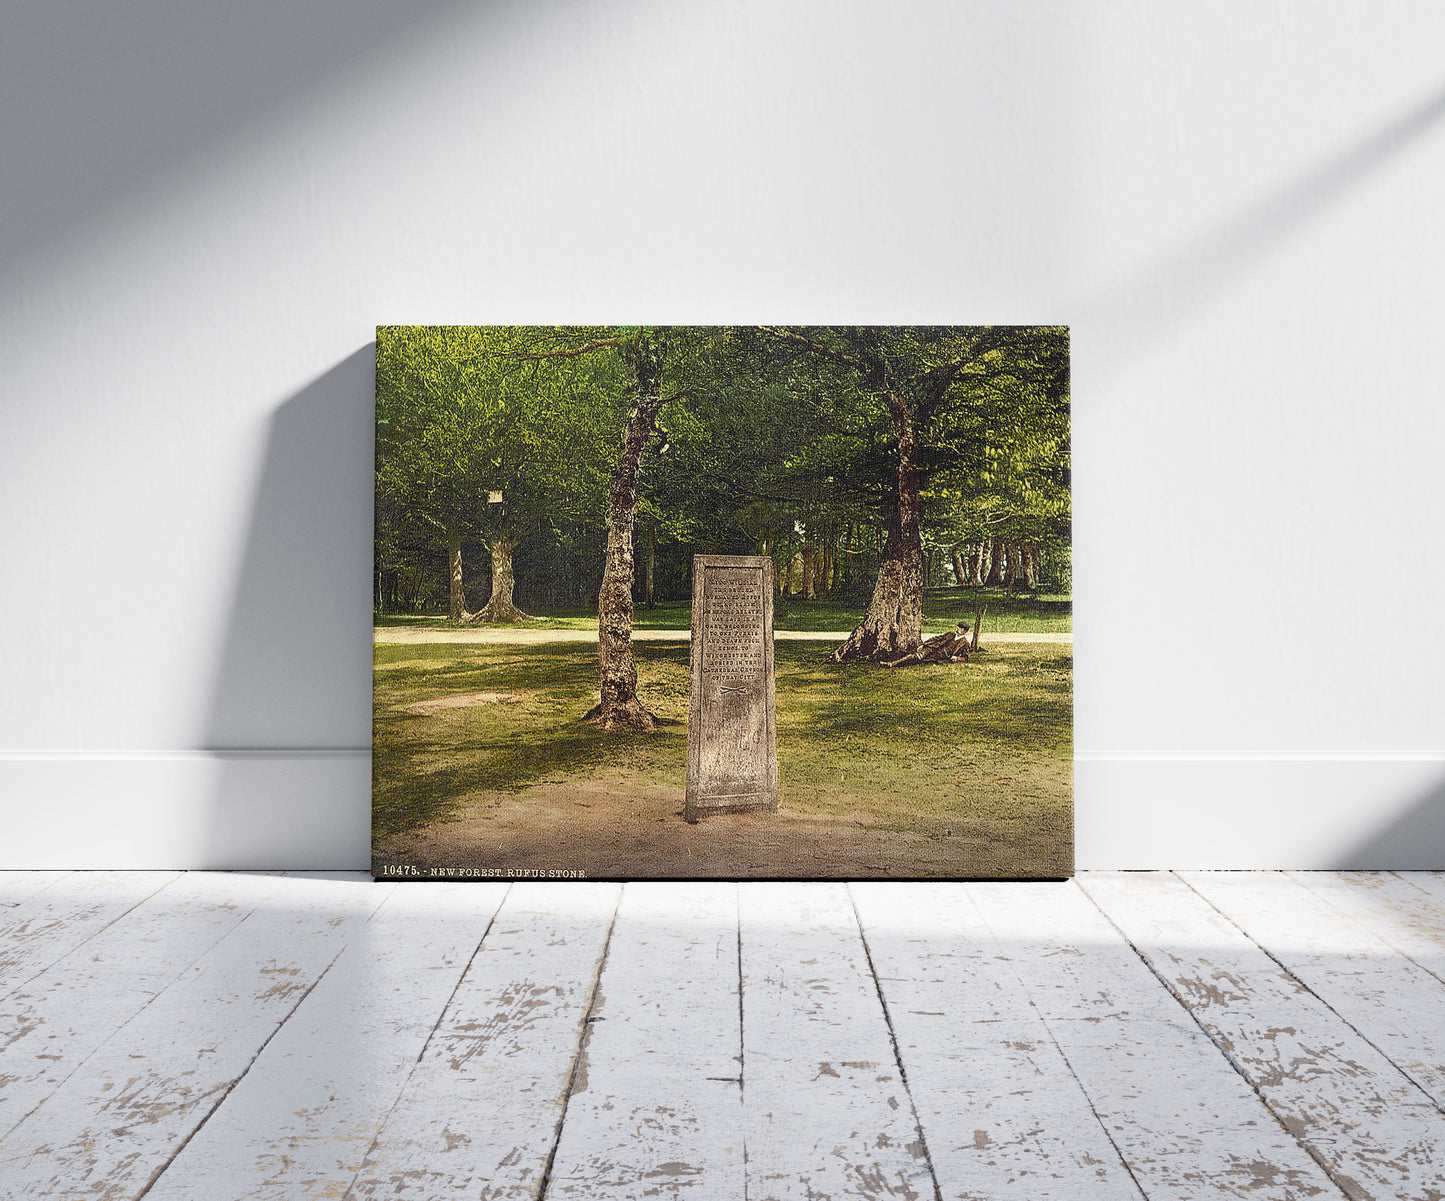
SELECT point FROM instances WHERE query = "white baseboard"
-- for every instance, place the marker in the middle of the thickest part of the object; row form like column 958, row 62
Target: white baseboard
column 186, row 809
column 310, row 809
column 1305, row 810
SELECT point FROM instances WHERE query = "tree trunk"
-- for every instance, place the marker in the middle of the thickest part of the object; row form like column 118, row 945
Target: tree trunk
column 499, row 607
column 456, row 598
column 788, row 577
column 893, row 624
column 976, row 555
column 809, row 592
column 1029, row 561
column 1010, row 571
column 651, row 561
column 957, row 555
column 995, row 564
column 619, row 708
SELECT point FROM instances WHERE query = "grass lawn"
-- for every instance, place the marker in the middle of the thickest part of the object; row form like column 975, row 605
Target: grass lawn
column 1008, row 612
column 943, row 770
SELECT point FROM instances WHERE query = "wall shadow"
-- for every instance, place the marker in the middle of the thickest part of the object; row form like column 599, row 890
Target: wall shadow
column 1413, row 842
column 290, row 714
column 103, row 99
column 1152, row 302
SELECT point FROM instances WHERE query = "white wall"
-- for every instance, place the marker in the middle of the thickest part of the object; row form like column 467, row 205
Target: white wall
column 205, row 207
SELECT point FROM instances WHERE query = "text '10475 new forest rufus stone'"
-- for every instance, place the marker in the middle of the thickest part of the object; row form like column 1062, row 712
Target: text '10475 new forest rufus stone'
column 732, row 758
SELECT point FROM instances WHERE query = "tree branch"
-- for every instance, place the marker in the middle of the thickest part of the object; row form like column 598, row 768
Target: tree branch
column 616, row 343
column 536, row 356
column 818, row 348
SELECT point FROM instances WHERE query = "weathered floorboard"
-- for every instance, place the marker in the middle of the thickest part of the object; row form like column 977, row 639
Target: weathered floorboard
column 217, row 1041
column 479, row 1116
column 48, row 925
column 1186, row 1124
column 1375, row 1131
column 1403, row 908
column 656, row 1109
column 124, row 1113
column 1002, row 1115
column 827, row 1113
column 16, row 887
column 1392, row 1002
column 299, row 1124
column 50, row 1025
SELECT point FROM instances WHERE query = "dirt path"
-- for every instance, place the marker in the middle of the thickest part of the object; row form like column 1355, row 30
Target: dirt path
column 606, row 829
column 522, row 635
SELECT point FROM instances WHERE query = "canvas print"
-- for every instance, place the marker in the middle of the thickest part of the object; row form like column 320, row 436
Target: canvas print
column 724, row 602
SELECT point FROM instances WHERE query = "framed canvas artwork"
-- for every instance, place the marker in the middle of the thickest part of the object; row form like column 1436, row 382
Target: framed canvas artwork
column 722, row 602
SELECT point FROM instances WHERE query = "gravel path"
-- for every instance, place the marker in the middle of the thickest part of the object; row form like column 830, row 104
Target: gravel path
column 401, row 634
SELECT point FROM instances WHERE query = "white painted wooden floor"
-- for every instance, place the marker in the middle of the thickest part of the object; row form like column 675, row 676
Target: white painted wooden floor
column 1168, row 1036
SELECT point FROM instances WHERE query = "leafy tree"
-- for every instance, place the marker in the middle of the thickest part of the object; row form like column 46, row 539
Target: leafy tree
column 470, row 445
column 642, row 353
column 925, row 379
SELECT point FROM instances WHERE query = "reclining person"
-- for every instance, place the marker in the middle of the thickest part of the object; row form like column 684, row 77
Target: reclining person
column 952, row 647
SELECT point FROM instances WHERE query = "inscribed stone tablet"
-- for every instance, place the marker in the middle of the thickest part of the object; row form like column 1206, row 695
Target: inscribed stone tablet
column 732, row 761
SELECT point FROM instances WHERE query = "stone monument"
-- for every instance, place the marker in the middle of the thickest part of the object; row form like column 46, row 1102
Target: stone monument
column 732, row 757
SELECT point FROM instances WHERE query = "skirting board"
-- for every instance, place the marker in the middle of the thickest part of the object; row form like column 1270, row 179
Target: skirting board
column 309, row 809
column 282, row 810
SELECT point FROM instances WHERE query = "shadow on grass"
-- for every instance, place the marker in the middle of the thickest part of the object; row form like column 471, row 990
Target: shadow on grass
column 1017, row 698
column 853, row 720
column 424, row 768
column 409, row 793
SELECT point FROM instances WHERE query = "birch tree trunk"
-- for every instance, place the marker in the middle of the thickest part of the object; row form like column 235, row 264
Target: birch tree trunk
column 809, row 557
column 619, row 708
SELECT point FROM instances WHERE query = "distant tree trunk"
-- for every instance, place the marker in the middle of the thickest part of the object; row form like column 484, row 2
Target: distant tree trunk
column 456, row 598
column 788, row 577
column 976, row 555
column 1029, row 562
column 809, row 593
column 619, row 708
column 651, row 561
column 995, row 564
column 844, row 569
column 958, row 576
column 839, row 555
column 1010, row 571
column 499, row 606
column 893, row 624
